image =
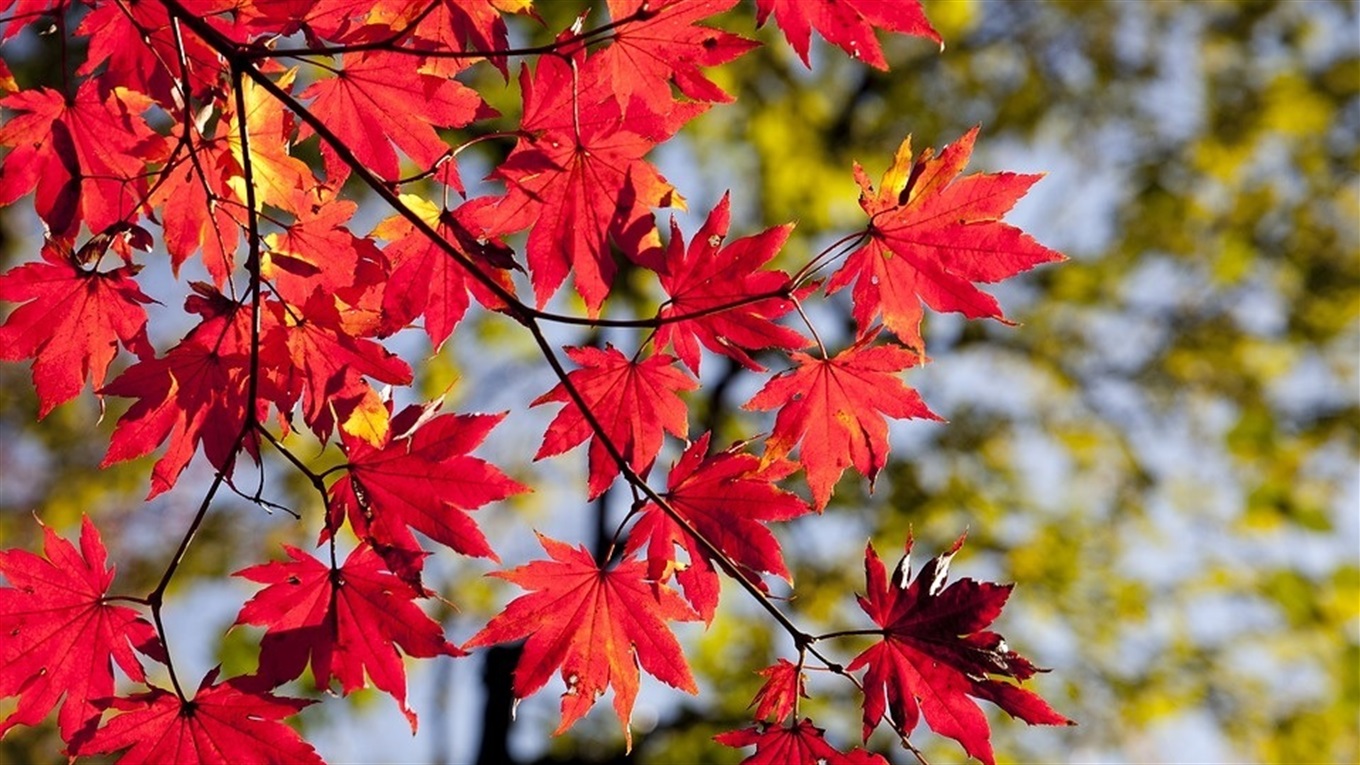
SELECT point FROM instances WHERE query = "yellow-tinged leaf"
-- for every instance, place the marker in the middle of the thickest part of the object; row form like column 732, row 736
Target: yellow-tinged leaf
column 396, row 226
column 369, row 420
column 513, row 6
column 277, row 174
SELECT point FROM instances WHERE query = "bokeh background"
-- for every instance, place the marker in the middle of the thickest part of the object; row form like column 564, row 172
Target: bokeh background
column 1165, row 455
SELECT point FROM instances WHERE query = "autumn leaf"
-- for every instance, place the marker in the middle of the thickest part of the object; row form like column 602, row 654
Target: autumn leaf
column 276, row 173
column 195, row 393
column 932, row 235
column 728, row 498
column 936, row 653
column 224, row 723
column 594, row 625
column 326, row 364
column 706, row 277
column 84, row 156
column 345, row 622
column 421, row 478
column 635, row 402
column 426, row 280
column 847, row 24
column 378, row 98
column 784, row 684
column 61, row 636
column 198, row 208
column 836, row 408
column 663, row 45
column 72, row 322
column 577, row 179
column 800, row 744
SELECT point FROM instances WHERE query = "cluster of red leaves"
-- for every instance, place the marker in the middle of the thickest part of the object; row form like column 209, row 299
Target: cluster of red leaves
column 181, row 119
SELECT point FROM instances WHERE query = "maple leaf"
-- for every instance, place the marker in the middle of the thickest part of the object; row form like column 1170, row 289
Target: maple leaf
column 836, row 407
column 847, row 24
column 931, row 235
column 328, row 364
column 596, row 625
column 198, row 210
column 142, row 66
column 800, row 744
column 633, row 401
column 346, row 622
column 727, row 498
column 705, row 277
column 421, row 478
column 195, row 393
column 662, row 45
column 227, row 723
column 72, row 322
column 936, row 652
column 319, row 251
column 84, row 155
column 378, row 98
column 778, row 697
column 577, row 179
column 61, row 635
column 426, row 280
column 277, row 174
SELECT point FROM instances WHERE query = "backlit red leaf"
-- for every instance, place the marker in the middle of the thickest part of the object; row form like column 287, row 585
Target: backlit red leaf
column 634, row 401
column 422, row 480
column 84, row 156
column 578, row 180
column 836, row 408
column 728, row 498
column 72, row 323
column 932, row 235
column 800, row 744
column 358, row 619
column 936, row 653
column 706, row 277
column 847, row 24
column 664, row 45
column 380, row 98
column 594, row 625
column 223, row 724
column 59, row 637
column 195, row 393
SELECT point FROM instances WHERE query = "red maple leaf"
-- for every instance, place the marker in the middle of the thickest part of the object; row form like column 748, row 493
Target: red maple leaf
column 728, row 498
column 346, row 622
column 577, row 179
column 633, row 401
column 836, row 407
column 380, row 98
column 596, row 625
column 421, row 478
column 800, row 744
column 932, row 235
column 149, row 65
column 426, row 280
column 72, row 324
column 778, row 697
column 662, row 45
column 199, row 209
column 936, row 652
column 195, row 393
column 705, row 277
column 61, row 635
column 84, row 155
column 224, row 723
column 847, row 24
column 326, row 364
